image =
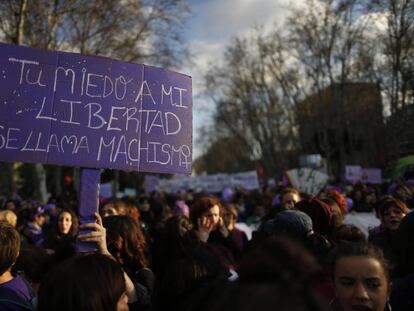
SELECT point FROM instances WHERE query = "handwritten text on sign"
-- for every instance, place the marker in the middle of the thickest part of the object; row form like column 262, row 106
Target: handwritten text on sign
column 71, row 109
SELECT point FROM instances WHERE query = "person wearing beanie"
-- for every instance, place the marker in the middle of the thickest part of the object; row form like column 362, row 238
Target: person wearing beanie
column 322, row 215
column 292, row 223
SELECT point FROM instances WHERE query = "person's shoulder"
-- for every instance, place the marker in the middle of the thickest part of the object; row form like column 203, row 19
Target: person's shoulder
column 11, row 300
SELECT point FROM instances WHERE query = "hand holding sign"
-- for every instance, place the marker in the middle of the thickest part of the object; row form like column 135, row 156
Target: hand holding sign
column 96, row 234
column 71, row 109
column 77, row 110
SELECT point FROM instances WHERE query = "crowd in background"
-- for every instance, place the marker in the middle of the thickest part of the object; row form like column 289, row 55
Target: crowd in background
column 186, row 251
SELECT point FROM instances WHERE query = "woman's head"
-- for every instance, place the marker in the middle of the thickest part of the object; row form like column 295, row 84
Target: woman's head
column 126, row 241
column 208, row 207
column 229, row 215
column 115, row 207
column 391, row 211
column 289, row 197
column 361, row 278
column 10, row 245
column 9, row 216
column 68, row 223
column 85, row 283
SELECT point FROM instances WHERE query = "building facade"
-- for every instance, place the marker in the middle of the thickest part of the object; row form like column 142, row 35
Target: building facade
column 344, row 123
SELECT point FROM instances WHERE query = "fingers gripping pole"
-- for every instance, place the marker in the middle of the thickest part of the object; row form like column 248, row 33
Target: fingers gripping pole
column 88, row 203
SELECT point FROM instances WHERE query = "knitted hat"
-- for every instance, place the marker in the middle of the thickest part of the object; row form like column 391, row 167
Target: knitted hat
column 291, row 222
column 321, row 213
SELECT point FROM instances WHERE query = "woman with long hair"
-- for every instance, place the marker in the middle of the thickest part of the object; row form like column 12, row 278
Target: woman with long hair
column 126, row 243
column 91, row 282
column 62, row 236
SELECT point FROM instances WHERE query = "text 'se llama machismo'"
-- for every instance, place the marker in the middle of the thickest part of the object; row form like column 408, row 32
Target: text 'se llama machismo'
column 71, row 109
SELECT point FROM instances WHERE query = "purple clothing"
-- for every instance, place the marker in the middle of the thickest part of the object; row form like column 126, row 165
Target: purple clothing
column 16, row 295
column 19, row 286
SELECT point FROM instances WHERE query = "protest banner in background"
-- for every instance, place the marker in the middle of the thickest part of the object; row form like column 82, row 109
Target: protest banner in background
column 151, row 183
column 106, row 190
column 210, row 183
column 307, row 180
column 246, row 180
column 355, row 173
column 371, row 176
column 76, row 110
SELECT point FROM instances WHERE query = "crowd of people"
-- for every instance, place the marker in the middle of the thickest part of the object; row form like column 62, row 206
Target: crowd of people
column 186, row 251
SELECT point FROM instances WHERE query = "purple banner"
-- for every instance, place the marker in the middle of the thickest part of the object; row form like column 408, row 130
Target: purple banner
column 76, row 110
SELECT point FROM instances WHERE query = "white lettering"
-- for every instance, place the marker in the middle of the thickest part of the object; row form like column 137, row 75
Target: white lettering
column 39, row 137
column 39, row 115
column 70, row 102
column 27, row 143
column 96, row 115
column 34, row 82
column 143, row 93
column 91, row 85
column 124, row 83
column 121, row 144
column 9, row 139
column 66, row 71
column 23, row 62
column 83, row 139
column 53, row 142
column 113, row 118
column 3, row 139
column 68, row 141
column 161, row 124
column 105, row 94
column 129, row 117
column 169, row 93
column 178, row 128
column 103, row 144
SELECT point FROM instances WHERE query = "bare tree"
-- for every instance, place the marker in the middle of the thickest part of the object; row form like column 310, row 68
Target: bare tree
column 396, row 51
column 327, row 38
column 255, row 96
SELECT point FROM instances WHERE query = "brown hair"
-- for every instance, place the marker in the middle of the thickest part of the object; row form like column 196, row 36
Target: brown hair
column 126, row 242
column 231, row 209
column 74, row 228
column 201, row 206
column 360, row 249
column 387, row 202
column 9, row 216
column 289, row 190
column 339, row 199
column 92, row 282
column 10, row 246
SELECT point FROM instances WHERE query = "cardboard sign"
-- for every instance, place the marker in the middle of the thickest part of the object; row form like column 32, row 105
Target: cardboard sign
column 307, row 180
column 76, row 110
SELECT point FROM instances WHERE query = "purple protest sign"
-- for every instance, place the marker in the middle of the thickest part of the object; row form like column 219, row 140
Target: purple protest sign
column 76, row 110
column 371, row 176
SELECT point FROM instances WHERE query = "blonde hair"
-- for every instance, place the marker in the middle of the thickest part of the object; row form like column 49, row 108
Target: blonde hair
column 9, row 216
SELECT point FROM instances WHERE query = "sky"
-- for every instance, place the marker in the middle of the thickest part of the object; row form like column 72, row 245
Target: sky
column 209, row 30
